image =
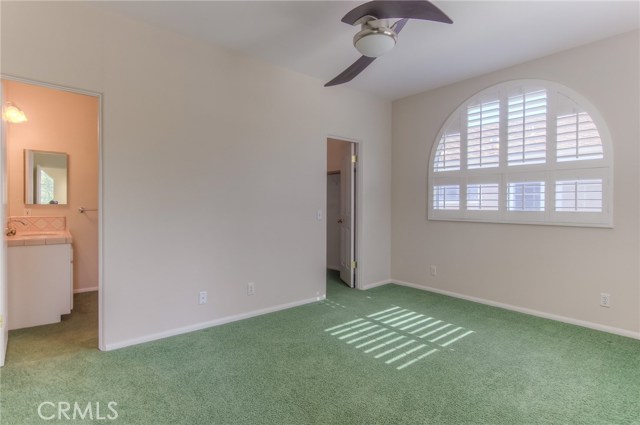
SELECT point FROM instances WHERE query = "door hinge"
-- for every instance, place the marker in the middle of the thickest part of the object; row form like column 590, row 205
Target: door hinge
column 354, row 158
column 1, row 321
column 354, row 264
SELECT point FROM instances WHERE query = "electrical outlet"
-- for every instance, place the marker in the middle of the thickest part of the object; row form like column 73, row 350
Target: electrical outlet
column 251, row 288
column 434, row 270
column 605, row 300
column 203, row 297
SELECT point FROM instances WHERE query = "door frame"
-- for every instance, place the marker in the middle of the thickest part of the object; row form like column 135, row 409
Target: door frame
column 4, row 302
column 357, row 202
column 101, row 300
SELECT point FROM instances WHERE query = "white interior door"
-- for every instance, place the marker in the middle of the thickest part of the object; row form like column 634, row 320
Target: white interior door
column 346, row 220
column 4, row 329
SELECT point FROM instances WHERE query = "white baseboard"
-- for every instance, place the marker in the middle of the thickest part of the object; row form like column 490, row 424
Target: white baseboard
column 375, row 284
column 209, row 324
column 81, row 290
column 570, row 320
column 334, row 268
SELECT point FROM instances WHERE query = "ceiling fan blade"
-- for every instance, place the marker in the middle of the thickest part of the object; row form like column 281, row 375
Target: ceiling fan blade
column 397, row 9
column 350, row 73
column 397, row 27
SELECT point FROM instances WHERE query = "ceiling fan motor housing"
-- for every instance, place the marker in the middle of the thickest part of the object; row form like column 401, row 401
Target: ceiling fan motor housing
column 374, row 41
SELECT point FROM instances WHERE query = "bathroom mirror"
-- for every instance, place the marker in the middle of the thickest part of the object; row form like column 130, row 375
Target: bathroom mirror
column 45, row 180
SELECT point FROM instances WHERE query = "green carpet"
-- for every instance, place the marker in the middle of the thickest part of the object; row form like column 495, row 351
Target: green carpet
column 390, row 355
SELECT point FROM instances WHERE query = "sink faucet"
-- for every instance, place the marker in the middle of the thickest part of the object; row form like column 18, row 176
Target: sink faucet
column 10, row 230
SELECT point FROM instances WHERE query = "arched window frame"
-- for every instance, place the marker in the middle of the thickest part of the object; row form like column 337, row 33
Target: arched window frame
column 512, row 178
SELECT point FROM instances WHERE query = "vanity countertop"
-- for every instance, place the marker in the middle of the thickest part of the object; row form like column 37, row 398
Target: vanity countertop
column 42, row 238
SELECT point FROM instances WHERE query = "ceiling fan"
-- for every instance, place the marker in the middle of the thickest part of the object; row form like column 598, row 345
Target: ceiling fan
column 377, row 35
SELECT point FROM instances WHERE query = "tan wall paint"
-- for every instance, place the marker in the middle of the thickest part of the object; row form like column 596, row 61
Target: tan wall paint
column 554, row 270
column 214, row 166
column 60, row 121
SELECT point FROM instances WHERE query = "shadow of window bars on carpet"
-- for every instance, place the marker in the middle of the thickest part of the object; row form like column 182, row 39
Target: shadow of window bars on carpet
column 398, row 336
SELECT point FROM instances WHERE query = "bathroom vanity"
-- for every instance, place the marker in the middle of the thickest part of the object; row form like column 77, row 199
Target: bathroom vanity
column 40, row 278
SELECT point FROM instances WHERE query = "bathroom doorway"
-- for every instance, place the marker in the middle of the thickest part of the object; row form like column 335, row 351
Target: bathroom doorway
column 62, row 126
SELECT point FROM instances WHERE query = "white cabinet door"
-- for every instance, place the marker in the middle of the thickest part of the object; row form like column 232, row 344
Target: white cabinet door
column 71, row 278
column 39, row 284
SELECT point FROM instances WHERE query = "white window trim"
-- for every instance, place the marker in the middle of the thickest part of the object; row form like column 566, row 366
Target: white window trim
column 549, row 172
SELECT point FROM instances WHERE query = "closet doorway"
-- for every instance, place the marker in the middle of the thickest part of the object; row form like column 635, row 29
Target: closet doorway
column 342, row 164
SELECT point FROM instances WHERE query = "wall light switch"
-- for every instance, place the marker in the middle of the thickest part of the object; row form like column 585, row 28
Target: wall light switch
column 319, row 215
column 203, row 297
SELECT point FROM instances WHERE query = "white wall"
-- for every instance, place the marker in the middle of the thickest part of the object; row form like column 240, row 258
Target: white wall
column 214, row 167
column 571, row 266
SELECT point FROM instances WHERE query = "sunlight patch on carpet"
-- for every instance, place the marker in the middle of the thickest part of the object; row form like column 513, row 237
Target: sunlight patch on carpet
column 398, row 336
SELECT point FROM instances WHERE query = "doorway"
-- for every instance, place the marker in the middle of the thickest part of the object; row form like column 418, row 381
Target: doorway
column 341, row 209
column 61, row 141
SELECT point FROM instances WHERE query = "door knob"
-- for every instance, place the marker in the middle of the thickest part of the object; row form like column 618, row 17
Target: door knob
column 339, row 220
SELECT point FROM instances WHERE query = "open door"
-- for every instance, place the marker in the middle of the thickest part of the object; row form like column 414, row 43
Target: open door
column 4, row 328
column 346, row 220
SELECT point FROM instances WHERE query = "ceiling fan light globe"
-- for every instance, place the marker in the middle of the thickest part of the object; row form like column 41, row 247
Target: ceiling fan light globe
column 375, row 42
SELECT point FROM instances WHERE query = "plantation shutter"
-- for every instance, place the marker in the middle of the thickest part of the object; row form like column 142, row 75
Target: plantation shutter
column 446, row 197
column 483, row 135
column 577, row 136
column 527, row 128
column 483, row 197
column 579, row 195
column 525, row 151
column 448, row 153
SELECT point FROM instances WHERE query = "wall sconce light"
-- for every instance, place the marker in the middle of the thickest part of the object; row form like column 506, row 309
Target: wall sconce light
column 13, row 114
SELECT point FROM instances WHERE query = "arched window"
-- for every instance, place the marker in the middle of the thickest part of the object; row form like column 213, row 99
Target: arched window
column 526, row 151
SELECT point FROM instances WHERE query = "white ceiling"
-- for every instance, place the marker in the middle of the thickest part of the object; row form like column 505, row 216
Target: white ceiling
column 308, row 36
